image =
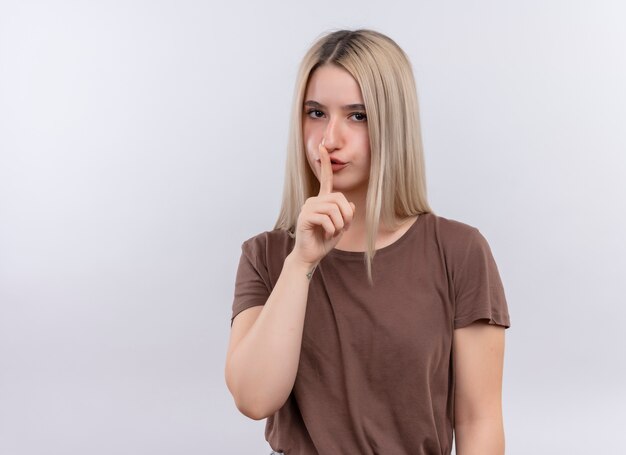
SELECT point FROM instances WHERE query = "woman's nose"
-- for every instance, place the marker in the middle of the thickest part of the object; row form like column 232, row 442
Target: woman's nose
column 332, row 136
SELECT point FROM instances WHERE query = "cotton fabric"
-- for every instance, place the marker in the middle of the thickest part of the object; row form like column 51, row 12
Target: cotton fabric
column 376, row 372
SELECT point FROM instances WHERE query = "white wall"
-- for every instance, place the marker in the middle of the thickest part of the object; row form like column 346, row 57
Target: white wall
column 142, row 142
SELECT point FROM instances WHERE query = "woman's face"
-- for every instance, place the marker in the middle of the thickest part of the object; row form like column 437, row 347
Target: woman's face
column 334, row 111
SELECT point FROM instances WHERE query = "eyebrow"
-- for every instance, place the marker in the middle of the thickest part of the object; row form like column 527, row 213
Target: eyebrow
column 345, row 108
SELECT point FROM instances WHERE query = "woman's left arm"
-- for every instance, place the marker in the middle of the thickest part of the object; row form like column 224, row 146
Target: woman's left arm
column 478, row 363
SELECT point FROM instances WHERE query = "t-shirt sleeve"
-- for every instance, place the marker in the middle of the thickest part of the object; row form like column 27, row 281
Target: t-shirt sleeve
column 252, row 283
column 479, row 293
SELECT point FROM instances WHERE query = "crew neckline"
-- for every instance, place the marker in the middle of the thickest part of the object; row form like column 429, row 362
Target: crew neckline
column 381, row 251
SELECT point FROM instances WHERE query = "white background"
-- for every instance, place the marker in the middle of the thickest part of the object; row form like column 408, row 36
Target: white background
column 142, row 142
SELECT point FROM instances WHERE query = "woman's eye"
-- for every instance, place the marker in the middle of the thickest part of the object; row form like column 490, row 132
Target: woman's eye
column 358, row 116
column 314, row 113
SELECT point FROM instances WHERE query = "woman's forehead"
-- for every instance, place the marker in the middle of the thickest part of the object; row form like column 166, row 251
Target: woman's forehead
column 330, row 85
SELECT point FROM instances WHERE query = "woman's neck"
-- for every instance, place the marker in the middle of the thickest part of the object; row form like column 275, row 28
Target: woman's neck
column 354, row 239
column 358, row 222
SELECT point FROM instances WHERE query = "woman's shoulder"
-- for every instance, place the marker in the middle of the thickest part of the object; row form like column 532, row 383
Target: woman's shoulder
column 449, row 227
column 453, row 235
column 275, row 235
column 273, row 241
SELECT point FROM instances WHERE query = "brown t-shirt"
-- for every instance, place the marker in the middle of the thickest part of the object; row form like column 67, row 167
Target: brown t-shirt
column 376, row 373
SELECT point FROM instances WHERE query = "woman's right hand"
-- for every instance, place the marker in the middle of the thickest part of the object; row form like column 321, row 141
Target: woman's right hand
column 323, row 218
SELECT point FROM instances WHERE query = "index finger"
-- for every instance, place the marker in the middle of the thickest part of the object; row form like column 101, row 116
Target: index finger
column 326, row 173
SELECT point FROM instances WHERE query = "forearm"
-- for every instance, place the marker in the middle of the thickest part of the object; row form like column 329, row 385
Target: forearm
column 263, row 366
column 480, row 437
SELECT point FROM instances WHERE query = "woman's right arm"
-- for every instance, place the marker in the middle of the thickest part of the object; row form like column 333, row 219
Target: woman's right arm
column 264, row 348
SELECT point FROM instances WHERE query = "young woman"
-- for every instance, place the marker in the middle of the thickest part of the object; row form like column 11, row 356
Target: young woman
column 363, row 323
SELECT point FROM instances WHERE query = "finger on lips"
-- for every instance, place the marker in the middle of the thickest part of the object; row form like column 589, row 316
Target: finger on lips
column 326, row 171
column 326, row 187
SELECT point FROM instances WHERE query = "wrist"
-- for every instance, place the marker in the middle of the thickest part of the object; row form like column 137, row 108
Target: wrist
column 303, row 267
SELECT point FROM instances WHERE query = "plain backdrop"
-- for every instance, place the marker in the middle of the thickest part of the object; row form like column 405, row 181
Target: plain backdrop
column 141, row 142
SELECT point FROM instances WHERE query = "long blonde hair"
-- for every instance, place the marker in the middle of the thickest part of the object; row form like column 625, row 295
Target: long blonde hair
column 397, row 182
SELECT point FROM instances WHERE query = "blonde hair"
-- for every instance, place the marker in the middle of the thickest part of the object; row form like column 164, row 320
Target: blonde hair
column 397, row 182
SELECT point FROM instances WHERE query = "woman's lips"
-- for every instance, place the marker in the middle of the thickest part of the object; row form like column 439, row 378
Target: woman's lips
column 338, row 166
column 335, row 166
